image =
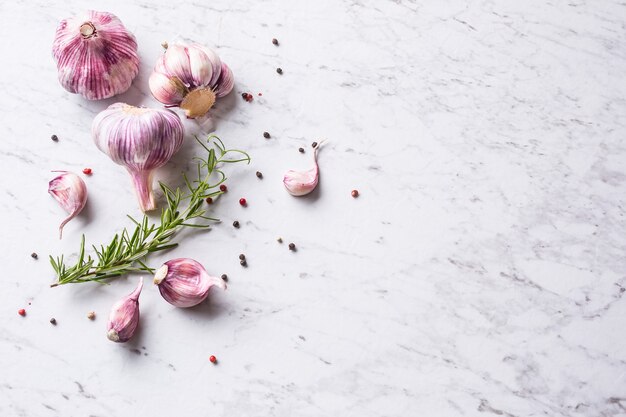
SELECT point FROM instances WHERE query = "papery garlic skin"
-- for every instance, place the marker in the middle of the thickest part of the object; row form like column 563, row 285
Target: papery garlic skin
column 96, row 56
column 184, row 282
column 141, row 140
column 190, row 76
column 124, row 316
column 299, row 183
column 70, row 191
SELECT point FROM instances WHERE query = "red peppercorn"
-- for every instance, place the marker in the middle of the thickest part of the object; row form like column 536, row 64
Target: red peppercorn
column 243, row 201
column 354, row 193
column 223, row 188
column 21, row 312
column 213, row 359
column 87, row 171
column 209, row 200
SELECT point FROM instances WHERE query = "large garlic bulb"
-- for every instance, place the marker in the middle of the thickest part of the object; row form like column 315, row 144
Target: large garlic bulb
column 191, row 77
column 141, row 140
column 96, row 56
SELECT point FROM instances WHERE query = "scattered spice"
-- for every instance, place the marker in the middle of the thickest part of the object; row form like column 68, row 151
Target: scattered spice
column 259, row 174
column 236, row 224
column 209, row 200
column 242, row 256
column 243, row 202
column 314, row 145
column 91, row 315
column 53, row 321
column 354, row 193
column 247, row 96
column 275, row 41
column 260, row 94
column 225, row 277
column 213, row 359
column 301, row 150
column 279, row 240
column 87, row 171
column 279, row 70
column 243, row 262
column 21, row 312
column 266, row 135
column 292, row 246
column 223, row 188
column 54, row 138
column 34, row 255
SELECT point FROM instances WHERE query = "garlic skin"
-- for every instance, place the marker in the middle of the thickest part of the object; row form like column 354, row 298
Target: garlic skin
column 141, row 140
column 96, row 56
column 124, row 316
column 299, row 183
column 184, row 282
column 191, row 77
column 70, row 191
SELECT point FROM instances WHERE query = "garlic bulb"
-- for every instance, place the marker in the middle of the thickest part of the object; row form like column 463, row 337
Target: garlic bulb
column 299, row 183
column 184, row 282
column 191, row 77
column 141, row 140
column 96, row 56
column 124, row 317
column 70, row 191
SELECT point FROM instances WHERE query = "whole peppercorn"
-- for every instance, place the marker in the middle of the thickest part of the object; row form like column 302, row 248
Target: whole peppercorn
column 91, row 315
column 87, row 171
column 54, row 138
column 213, row 359
column 53, row 321
column 259, row 174
column 243, row 262
column 354, row 193
column 243, row 202
column 21, row 312
column 209, row 200
column 279, row 240
column 223, row 188
column 236, row 224
column 225, row 277
column 275, row 41
column 242, row 256
column 301, row 150
column 34, row 255
column 266, row 135
column 292, row 246
column 314, row 144
column 279, row 70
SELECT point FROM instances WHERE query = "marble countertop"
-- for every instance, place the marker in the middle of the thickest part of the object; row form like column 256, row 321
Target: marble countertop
column 481, row 271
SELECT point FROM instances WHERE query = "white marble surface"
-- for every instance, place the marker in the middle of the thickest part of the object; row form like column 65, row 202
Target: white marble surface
column 481, row 272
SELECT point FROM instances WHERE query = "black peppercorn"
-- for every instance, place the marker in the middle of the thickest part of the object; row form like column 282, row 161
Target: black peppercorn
column 314, row 144
column 275, row 41
column 259, row 174
column 225, row 277
column 34, row 255
column 54, row 138
column 279, row 70
column 292, row 246
column 53, row 321
column 242, row 256
column 266, row 135
column 236, row 223
column 301, row 150
column 243, row 262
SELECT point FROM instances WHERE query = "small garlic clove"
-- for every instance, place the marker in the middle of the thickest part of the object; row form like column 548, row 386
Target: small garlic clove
column 70, row 191
column 176, row 63
column 141, row 140
column 96, row 55
column 225, row 83
column 184, row 282
column 200, row 65
column 168, row 90
column 299, row 183
column 124, row 316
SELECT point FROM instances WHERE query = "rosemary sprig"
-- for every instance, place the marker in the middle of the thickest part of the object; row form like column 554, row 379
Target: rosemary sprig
column 127, row 250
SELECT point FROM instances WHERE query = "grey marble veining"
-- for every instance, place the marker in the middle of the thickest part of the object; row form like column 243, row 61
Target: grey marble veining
column 481, row 271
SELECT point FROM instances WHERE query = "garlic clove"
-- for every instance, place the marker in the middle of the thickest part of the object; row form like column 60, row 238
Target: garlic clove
column 299, row 183
column 168, row 90
column 96, row 55
column 200, row 65
column 176, row 63
column 215, row 62
column 183, row 282
column 70, row 191
column 225, row 83
column 141, row 140
column 124, row 316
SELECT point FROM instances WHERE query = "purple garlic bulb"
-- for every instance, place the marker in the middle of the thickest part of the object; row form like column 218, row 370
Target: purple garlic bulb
column 124, row 317
column 191, row 77
column 95, row 55
column 184, row 282
column 141, row 140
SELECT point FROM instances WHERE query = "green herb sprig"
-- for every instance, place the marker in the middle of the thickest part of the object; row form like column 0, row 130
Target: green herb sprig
column 128, row 250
